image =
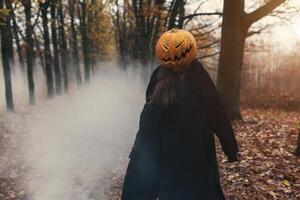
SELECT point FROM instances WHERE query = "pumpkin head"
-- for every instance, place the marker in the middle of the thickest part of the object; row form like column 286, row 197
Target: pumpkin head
column 176, row 49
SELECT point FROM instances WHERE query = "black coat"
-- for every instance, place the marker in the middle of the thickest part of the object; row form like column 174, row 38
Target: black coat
column 174, row 157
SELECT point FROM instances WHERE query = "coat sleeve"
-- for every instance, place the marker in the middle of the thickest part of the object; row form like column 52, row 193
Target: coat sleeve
column 146, row 138
column 141, row 179
column 218, row 119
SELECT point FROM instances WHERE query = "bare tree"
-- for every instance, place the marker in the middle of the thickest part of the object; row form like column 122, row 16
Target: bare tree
column 55, row 47
column 85, row 40
column 29, row 50
column 9, row 38
column 138, row 26
column 47, row 53
column 235, row 26
column 63, row 45
column 73, row 41
column 176, row 14
column 5, row 44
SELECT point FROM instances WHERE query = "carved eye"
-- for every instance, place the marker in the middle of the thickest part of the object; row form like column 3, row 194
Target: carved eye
column 166, row 48
column 178, row 45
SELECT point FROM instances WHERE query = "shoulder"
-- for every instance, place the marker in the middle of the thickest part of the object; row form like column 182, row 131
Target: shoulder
column 197, row 66
column 154, row 74
column 152, row 82
column 200, row 70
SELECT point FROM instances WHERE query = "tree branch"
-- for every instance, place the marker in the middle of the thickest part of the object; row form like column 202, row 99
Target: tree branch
column 202, row 14
column 210, row 45
column 258, row 31
column 202, row 26
column 263, row 11
column 208, row 55
column 201, row 34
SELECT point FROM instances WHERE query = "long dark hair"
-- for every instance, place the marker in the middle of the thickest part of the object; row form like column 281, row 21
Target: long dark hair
column 169, row 87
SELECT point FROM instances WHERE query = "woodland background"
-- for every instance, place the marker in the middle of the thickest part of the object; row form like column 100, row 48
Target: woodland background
column 63, row 44
column 66, row 39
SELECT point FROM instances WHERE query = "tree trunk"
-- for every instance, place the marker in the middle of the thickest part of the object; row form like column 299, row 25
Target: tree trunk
column 39, row 52
column 231, row 58
column 92, row 46
column 29, row 53
column 63, row 45
column 176, row 11
column 74, row 46
column 234, row 33
column 55, row 48
column 135, row 32
column 142, row 35
column 9, row 38
column 6, row 60
column 156, row 23
column 84, row 41
column 144, row 31
column 121, row 35
column 181, row 14
column 17, row 40
column 47, row 54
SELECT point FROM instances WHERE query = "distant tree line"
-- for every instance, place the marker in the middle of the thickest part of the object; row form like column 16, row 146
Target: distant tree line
column 139, row 23
column 69, row 37
column 59, row 33
column 68, row 34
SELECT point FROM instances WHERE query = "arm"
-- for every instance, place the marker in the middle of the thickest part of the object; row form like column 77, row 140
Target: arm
column 141, row 180
column 218, row 119
column 146, row 141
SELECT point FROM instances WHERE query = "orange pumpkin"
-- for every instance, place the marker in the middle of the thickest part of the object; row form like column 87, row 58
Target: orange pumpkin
column 176, row 49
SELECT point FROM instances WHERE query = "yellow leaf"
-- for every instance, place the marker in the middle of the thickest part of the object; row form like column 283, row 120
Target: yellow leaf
column 286, row 183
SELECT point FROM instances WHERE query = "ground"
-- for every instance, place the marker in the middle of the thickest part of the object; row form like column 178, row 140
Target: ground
column 267, row 169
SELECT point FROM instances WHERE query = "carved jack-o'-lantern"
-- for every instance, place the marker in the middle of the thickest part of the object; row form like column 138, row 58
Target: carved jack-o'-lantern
column 176, row 49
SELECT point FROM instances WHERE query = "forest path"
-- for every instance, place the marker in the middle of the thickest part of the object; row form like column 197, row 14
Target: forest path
column 73, row 146
column 268, row 169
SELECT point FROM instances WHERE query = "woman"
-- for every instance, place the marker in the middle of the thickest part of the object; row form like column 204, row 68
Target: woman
column 174, row 157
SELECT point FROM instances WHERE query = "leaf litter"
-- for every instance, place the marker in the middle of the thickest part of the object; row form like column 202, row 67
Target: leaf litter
column 267, row 168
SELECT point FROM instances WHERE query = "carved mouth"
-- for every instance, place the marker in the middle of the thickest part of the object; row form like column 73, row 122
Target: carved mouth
column 177, row 58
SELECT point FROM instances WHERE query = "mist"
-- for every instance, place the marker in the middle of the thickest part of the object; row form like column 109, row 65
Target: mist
column 75, row 143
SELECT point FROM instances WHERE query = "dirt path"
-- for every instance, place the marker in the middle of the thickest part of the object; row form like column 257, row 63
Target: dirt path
column 268, row 169
column 12, row 167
